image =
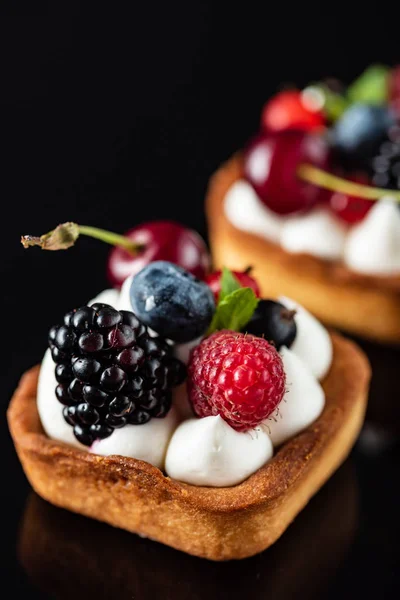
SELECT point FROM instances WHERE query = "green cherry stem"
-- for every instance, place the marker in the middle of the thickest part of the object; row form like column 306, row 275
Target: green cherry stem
column 65, row 235
column 334, row 183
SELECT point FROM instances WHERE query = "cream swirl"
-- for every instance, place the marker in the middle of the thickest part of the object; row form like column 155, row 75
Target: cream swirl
column 209, row 452
column 371, row 247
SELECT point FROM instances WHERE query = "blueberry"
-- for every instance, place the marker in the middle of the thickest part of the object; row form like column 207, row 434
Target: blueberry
column 360, row 130
column 171, row 301
column 274, row 322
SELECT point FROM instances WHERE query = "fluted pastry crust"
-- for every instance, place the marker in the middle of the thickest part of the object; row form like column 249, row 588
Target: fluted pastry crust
column 215, row 523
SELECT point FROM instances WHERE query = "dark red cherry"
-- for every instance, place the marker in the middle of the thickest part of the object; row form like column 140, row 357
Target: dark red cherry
column 159, row 240
column 271, row 162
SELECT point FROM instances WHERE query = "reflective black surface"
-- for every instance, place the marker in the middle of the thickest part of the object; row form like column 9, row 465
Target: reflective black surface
column 112, row 120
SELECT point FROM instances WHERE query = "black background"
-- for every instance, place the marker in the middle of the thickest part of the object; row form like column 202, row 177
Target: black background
column 112, row 118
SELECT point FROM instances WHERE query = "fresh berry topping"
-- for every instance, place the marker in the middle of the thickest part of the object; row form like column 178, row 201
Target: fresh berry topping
column 244, row 278
column 350, row 209
column 83, row 318
column 159, row 240
column 171, row 301
column 292, row 109
column 271, row 163
column 386, row 164
column 357, row 135
column 273, row 322
column 110, row 372
column 237, row 376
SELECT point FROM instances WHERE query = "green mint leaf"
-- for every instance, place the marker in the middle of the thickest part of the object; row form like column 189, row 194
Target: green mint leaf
column 371, row 87
column 234, row 311
column 229, row 284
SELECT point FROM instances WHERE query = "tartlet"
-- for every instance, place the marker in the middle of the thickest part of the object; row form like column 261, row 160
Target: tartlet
column 369, row 305
column 214, row 523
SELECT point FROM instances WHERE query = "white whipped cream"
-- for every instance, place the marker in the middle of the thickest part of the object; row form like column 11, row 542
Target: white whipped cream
column 145, row 442
column 49, row 408
column 312, row 343
column 110, row 297
column 371, row 247
column 317, row 232
column 302, row 403
column 209, row 452
column 124, row 300
column 245, row 211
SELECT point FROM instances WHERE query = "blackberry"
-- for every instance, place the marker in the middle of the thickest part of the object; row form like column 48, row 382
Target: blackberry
column 110, row 372
column 385, row 166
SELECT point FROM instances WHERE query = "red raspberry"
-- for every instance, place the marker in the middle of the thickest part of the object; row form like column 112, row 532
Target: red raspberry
column 238, row 376
column 213, row 280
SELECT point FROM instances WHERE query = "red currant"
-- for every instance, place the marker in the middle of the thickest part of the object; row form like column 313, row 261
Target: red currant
column 350, row 209
column 270, row 165
column 291, row 109
column 213, row 280
column 159, row 240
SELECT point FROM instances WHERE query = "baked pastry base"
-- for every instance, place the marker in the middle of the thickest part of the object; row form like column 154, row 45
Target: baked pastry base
column 363, row 305
column 214, row 523
column 58, row 548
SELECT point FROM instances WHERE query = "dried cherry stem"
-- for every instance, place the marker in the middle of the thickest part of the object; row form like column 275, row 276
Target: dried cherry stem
column 334, row 183
column 65, row 235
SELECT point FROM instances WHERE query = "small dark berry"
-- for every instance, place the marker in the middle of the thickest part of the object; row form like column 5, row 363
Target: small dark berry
column 94, row 396
column 131, row 359
column 53, row 333
column 86, row 368
column 87, row 414
column 121, row 336
column 83, row 318
column 64, row 373
column 151, row 399
column 135, row 387
column 120, row 406
column 83, row 435
column 155, row 347
column 100, row 432
column 155, row 373
column 139, row 417
column 65, row 339
column 63, row 395
column 76, row 390
column 98, row 305
column 68, row 318
column 274, row 322
column 115, row 422
column 113, row 379
column 58, row 355
column 162, row 409
column 128, row 318
column 107, row 317
column 176, row 371
column 69, row 414
column 91, row 341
